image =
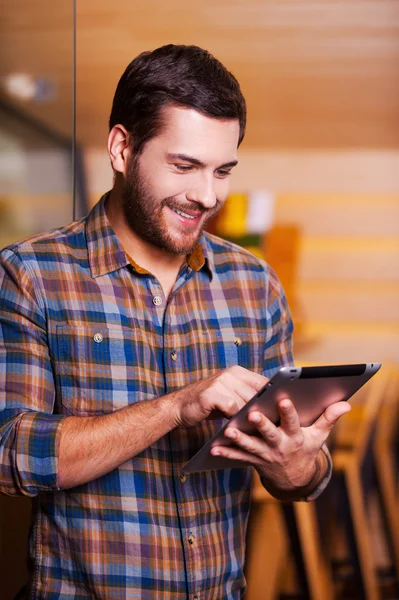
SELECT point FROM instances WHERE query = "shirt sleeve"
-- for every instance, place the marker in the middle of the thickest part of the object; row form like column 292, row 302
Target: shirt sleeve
column 313, row 494
column 29, row 432
column 280, row 327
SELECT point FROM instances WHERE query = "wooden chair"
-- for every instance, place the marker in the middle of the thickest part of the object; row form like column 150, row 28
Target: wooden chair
column 292, row 530
column 300, row 565
column 385, row 465
column 266, row 546
column 343, row 502
column 353, row 481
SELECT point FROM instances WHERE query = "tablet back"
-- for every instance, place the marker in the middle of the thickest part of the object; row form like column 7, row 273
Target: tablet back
column 311, row 389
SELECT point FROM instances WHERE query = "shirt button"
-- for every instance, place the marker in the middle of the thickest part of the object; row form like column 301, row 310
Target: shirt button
column 191, row 539
column 98, row 337
column 183, row 478
column 173, row 355
column 157, row 300
column 237, row 341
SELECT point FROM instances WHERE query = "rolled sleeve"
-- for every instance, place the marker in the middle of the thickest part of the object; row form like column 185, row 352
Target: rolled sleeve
column 29, row 452
column 29, row 432
column 324, row 482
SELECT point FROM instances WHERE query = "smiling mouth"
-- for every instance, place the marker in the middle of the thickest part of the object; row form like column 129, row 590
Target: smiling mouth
column 184, row 214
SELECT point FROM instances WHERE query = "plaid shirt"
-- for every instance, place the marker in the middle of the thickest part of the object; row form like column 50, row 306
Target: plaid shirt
column 84, row 331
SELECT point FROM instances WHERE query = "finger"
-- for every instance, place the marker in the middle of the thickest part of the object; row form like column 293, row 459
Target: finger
column 269, row 432
column 251, row 444
column 255, row 380
column 234, row 453
column 243, row 394
column 245, row 391
column 289, row 420
column 229, row 405
column 330, row 417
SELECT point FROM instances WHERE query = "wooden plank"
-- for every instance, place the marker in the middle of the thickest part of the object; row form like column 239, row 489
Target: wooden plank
column 338, row 215
column 337, row 342
column 366, row 258
column 349, row 300
column 315, row 74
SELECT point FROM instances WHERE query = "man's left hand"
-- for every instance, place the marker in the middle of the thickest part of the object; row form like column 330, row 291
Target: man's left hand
column 285, row 455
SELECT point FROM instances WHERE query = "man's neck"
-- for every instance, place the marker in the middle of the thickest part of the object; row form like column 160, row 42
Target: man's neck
column 163, row 265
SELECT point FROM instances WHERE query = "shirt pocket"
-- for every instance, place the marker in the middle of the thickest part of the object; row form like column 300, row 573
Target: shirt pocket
column 98, row 369
column 224, row 348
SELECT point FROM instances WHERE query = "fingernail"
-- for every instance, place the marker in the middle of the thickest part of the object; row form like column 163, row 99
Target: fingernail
column 230, row 433
column 255, row 418
column 215, row 452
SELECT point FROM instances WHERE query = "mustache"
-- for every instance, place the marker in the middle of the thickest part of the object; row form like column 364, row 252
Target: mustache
column 171, row 203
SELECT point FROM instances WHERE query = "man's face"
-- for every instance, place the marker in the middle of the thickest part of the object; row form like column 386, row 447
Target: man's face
column 180, row 180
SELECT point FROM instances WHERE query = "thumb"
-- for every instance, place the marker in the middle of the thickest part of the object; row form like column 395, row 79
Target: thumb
column 331, row 415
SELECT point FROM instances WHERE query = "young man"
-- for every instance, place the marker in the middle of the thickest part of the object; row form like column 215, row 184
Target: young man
column 125, row 337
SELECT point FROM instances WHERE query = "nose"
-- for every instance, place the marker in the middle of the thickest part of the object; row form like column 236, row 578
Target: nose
column 203, row 192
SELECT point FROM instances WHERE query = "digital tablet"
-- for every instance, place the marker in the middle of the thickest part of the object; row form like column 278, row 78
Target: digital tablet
column 311, row 389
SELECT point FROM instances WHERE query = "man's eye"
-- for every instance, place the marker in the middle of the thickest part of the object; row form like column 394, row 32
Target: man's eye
column 222, row 173
column 184, row 168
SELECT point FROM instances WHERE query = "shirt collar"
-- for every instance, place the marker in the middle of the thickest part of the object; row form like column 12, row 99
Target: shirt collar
column 204, row 257
column 197, row 260
column 106, row 253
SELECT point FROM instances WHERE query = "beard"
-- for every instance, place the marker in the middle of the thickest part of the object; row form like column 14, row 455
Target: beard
column 144, row 214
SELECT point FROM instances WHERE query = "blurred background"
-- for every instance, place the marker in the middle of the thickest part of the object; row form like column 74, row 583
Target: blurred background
column 316, row 193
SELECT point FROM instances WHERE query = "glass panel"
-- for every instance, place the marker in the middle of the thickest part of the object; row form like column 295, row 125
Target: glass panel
column 36, row 183
column 36, row 112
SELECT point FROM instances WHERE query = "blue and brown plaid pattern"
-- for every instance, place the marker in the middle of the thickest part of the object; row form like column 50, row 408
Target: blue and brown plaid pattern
column 81, row 334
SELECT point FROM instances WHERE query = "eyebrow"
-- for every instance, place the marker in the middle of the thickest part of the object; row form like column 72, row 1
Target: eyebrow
column 197, row 162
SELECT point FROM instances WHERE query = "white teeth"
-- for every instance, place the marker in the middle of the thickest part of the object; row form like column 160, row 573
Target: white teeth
column 183, row 214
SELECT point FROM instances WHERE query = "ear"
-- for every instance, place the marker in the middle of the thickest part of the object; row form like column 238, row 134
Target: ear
column 118, row 148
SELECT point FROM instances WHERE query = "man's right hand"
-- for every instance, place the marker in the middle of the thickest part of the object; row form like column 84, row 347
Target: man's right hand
column 226, row 392
column 92, row 446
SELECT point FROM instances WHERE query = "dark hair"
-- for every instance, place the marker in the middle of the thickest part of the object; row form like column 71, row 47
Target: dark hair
column 185, row 76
